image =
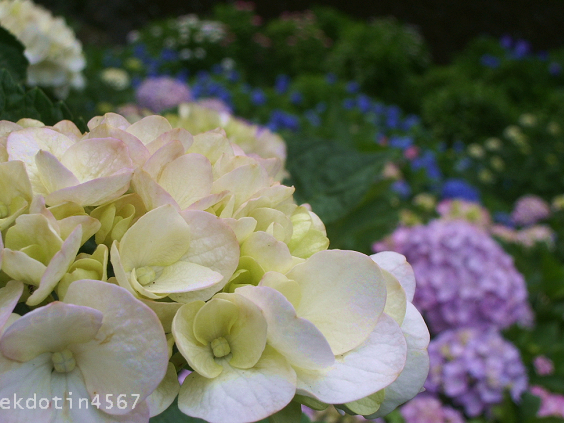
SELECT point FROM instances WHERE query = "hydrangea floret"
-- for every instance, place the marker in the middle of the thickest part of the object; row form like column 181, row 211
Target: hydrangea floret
column 141, row 250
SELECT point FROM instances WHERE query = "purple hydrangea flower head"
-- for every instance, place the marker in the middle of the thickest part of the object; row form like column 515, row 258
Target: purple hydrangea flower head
column 216, row 104
column 551, row 404
column 529, row 209
column 475, row 368
column 464, row 278
column 161, row 93
column 426, row 408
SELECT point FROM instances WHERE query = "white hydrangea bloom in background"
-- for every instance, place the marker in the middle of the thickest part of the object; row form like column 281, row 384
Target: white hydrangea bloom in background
column 55, row 55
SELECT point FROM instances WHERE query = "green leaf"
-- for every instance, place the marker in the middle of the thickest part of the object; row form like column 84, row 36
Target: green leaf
column 16, row 103
column 173, row 415
column 292, row 413
column 12, row 56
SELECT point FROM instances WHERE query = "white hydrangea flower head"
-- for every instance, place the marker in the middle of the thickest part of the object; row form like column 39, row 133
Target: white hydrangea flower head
column 51, row 47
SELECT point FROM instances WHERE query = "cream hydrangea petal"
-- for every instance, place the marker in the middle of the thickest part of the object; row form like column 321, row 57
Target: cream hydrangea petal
column 131, row 343
column 296, row 339
column 167, row 232
column 33, row 229
column 25, row 144
column 26, row 381
column 165, row 311
column 92, row 193
column 368, row 368
column 188, row 179
column 214, row 320
column 57, row 267
column 247, row 335
column 9, row 297
column 163, row 156
column 50, row 328
column 197, row 354
column 212, row 244
column 112, row 119
column 22, row 267
column 411, row 379
column 166, row 392
column 343, row 294
column 68, row 128
column 75, row 404
column 14, row 181
column 398, row 266
column 242, row 227
column 152, row 194
column 212, row 144
column 271, row 254
column 96, row 158
column 52, row 173
column 149, row 128
column 395, row 298
column 177, row 134
column 237, row 396
column 242, row 182
column 183, row 276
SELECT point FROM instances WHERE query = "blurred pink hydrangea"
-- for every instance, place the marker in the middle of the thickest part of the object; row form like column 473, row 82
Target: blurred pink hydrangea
column 529, row 209
column 543, row 365
column 551, row 404
column 161, row 93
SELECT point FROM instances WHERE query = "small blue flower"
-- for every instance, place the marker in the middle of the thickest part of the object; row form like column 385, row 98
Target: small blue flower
column 459, row 188
column 364, row 103
column 169, row 55
column 233, row 76
column 490, row 61
column 282, row 84
column 296, row 98
column 401, row 188
column 283, row 120
column 522, row 48
column 352, row 87
column 554, row 69
column 506, row 42
column 400, row 142
column 349, row 103
column 182, row 75
column 258, row 98
column 393, row 117
column 503, row 219
column 427, row 160
column 217, row 69
column 409, row 122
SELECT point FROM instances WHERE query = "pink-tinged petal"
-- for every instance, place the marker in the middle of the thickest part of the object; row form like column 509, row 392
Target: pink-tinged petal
column 25, row 144
column 149, row 128
column 410, row 381
column 239, row 396
column 177, row 134
column 368, row 368
column 9, row 297
column 22, row 267
column 163, row 156
column 66, row 127
column 398, row 266
column 28, row 380
column 187, row 179
column 243, row 227
column 343, row 294
column 57, row 267
column 208, row 201
column 112, row 119
column 50, row 328
column 97, row 158
column 297, row 339
column 137, row 151
column 76, row 404
column 152, row 194
column 6, row 127
column 92, row 193
column 130, row 353
column 52, row 173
